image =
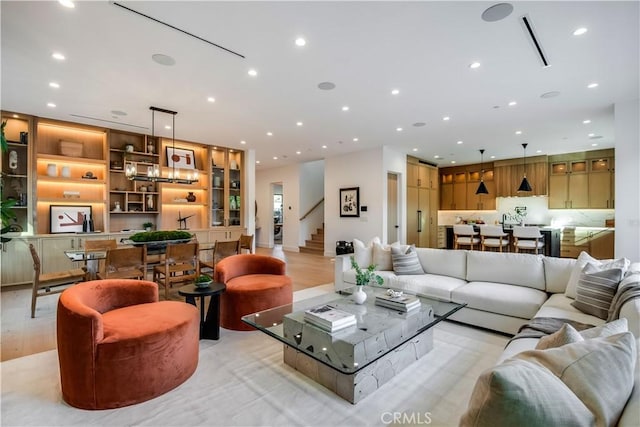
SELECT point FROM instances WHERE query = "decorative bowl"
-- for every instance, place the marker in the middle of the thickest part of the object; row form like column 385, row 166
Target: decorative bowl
column 203, row 284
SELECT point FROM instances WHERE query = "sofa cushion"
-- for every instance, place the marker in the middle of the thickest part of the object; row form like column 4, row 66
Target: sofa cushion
column 443, row 262
column 582, row 260
column 509, row 300
column 363, row 254
column 584, row 383
column 557, row 272
column 405, row 261
column 596, row 289
column 606, row 330
column 506, row 268
column 558, row 305
column 565, row 335
column 382, row 256
column 429, row 285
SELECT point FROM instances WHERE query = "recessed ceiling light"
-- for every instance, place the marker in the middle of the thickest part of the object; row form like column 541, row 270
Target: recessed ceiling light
column 324, row 146
column 269, row 133
column 512, row 103
column 415, row 149
column 436, row 156
column 15, row 116
column 399, row 129
column 395, row 92
column 355, row 139
column 300, row 42
column 446, row 118
column 538, row 151
column 211, row 99
column 586, row 122
column 474, row 65
column 595, row 144
column 67, row 3
column 345, row 108
column 596, row 137
column 243, row 142
column 118, row 113
column 298, row 152
column 252, row 72
column 326, row 86
column 167, row 127
column 453, row 162
column 518, row 132
column 162, row 59
column 493, row 157
column 298, row 123
column 551, row 94
column 58, row 56
column 497, row 12
column 579, row 31
column 591, row 134
column 459, row 142
column 592, row 85
column 275, row 157
column 51, row 104
column 419, row 124
column 257, row 162
column 54, row 85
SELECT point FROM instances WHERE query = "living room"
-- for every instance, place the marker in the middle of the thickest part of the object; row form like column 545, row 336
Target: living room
column 340, row 95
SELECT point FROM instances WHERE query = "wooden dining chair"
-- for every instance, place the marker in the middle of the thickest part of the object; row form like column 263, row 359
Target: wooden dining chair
column 97, row 265
column 464, row 235
column 125, row 263
column 246, row 242
column 44, row 282
column 220, row 250
column 180, row 265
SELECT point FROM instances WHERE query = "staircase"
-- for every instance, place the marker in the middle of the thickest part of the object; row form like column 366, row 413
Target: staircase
column 316, row 244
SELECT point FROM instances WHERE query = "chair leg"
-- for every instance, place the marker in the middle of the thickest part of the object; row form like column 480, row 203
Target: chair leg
column 34, row 296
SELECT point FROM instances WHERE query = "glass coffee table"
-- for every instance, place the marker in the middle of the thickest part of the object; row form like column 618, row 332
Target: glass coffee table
column 355, row 361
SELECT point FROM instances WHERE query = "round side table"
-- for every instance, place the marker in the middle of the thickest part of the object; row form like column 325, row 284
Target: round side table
column 209, row 326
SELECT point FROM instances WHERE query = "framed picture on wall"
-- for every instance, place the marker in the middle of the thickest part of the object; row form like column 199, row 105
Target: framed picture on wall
column 67, row 218
column 350, row 202
column 181, row 158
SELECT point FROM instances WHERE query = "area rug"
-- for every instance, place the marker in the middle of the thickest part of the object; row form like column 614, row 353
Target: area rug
column 241, row 380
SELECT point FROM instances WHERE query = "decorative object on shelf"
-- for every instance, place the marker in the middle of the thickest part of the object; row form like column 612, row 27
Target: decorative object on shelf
column 237, row 202
column 87, row 224
column 233, row 164
column 191, row 197
column 150, row 147
column 350, row 202
column 232, row 202
column 66, row 172
column 147, row 226
column 217, row 181
column 128, row 148
column 116, row 165
column 117, row 207
column 52, row 169
column 183, row 220
column 482, row 189
column 203, row 281
column 69, row 194
column 13, row 160
column 67, row 218
column 142, row 188
column 89, row 175
column 24, row 138
column 71, row 148
column 176, row 158
column 364, row 277
column 150, row 202
column 524, row 185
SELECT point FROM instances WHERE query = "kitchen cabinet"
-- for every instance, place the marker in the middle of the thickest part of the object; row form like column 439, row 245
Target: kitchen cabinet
column 480, row 201
column 422, row 204
column 601, row 186
column 16, row 261
column 226, row 188
column 508, row 176
column 596, row 241
column 459, row 185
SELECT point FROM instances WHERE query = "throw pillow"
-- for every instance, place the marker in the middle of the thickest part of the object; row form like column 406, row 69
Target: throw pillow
column 382, row 257
column 612, row 328
column 565, row 335
column 584, row 383
column 405, row 261
column 364, row 254
column 582, row 260
column 596, row 289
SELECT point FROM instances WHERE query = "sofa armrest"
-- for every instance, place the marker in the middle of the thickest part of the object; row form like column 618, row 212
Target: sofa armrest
column 631, row 311
column 342, row 264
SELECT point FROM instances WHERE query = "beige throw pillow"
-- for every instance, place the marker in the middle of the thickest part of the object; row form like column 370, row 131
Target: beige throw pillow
column 582, row 260
column 382, row 256
column 596, row 289
column 565, row 335
column 606, row 330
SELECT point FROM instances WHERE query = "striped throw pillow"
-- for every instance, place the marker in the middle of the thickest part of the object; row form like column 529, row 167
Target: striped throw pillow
column 405, row 261
column 596, row 289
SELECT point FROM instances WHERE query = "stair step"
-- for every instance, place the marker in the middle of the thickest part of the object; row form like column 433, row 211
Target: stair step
column 314, row 251
column 317, row 237
column 320, row 231
column 314, row 244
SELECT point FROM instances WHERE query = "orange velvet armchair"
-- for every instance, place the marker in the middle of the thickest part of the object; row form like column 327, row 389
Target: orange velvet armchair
column 254, row 283
column 118, row 345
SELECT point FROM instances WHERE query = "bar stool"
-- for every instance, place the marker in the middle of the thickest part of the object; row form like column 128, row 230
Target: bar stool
column 492, row 236
column 528, row 239
column 465, row 235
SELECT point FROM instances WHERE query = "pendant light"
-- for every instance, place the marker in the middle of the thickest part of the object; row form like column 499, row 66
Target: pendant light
column 524, row 185
column 482, row 189
column 153, row 172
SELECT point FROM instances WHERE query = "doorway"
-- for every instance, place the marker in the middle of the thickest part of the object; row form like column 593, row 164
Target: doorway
column 278, row 214
column 393, row 226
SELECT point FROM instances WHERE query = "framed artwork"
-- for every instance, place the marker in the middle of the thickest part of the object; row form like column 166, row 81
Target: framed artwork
column 350, row 202
column 181, row 158
column 67, row 218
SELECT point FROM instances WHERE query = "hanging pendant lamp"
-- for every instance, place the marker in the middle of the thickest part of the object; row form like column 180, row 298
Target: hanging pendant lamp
column 524, row 185
column 482, row 189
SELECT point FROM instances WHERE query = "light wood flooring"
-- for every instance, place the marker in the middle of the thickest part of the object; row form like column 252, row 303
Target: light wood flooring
column 22, row 335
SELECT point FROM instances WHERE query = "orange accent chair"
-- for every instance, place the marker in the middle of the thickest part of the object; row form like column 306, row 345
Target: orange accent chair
column 254, row 283
column 118, row 345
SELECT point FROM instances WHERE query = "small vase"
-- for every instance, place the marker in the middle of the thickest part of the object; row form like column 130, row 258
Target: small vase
column 359, row 296
column 191, row 197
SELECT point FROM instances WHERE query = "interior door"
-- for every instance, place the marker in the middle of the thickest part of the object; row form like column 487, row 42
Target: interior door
column 393, row 224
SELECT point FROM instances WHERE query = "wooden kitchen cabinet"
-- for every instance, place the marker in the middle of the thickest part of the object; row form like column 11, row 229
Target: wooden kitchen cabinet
column 16, row 261
column 601, row 187
column 422, row 204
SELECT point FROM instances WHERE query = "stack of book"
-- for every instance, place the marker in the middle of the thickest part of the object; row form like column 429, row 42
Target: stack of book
column 401, row 303
column 329, row 318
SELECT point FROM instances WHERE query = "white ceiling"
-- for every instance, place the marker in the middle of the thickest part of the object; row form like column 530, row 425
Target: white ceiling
column 366, row 48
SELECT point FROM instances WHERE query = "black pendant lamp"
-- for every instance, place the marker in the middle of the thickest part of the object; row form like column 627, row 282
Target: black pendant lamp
column 482, row 189
column 524, row 185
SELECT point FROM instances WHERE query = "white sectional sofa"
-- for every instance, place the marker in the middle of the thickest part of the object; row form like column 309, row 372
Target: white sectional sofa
column 503, row 291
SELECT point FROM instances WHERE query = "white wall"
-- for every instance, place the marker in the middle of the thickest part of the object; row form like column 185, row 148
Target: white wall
column 289, row 177
column 250, row 192
column 627, row 197
column 311, row 192
column 395, row 162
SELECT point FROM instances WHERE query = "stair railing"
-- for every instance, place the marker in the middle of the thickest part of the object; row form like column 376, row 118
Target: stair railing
column 312, row 209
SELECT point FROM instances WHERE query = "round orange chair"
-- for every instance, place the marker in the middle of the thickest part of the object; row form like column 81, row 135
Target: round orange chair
column 118, row 345
column 254, row 283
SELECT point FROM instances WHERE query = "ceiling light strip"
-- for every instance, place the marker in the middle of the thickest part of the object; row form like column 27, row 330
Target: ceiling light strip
column 534, row 39
column 178, row 29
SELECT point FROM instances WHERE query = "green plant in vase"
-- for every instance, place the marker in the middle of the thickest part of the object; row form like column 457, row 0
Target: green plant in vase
column 7, row 215
column 147, row 226
column 363, row 278
column 203, row 281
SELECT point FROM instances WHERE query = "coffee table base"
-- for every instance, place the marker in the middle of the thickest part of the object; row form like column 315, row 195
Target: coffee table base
column 355, row 387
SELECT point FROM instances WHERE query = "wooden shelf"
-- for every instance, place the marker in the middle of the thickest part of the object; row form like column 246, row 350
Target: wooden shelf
column 66, row 159
column 73, row 201
column 47, row 178
column 133, row 212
